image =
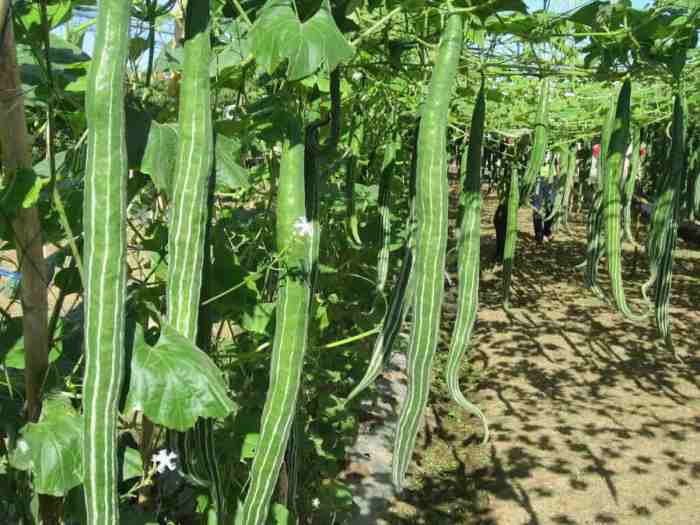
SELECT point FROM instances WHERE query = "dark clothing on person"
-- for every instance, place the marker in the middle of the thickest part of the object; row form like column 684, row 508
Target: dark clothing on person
column 500, row 222
column 543, row 205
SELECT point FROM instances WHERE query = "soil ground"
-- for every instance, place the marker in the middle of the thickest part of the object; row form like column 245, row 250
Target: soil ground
column 592, row 421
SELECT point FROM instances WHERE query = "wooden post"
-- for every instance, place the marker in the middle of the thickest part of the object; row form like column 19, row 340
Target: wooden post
column 15, row 151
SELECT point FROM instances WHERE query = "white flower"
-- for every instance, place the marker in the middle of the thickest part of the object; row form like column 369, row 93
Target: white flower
column 315, row 503
column 303, row 228
column 163, row 460
column 228, row 111
column 22, row 446
column 357, row 76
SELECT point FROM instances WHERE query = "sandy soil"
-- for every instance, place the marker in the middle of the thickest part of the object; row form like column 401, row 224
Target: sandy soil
column 592, row 422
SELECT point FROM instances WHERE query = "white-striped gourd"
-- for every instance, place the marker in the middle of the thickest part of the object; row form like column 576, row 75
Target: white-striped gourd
column 667, row 220
column 595, row 245
column 525, row 188
column 105, row 260
column 469, row 247
column 629, row 185
column 295, row 243
column 431, row 241
column 539, row 145
column 612, row 198
column 511, row 234
column 188, row 210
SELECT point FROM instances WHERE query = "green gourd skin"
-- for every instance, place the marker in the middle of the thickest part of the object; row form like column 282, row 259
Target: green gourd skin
column 628, row 187
column 595, row 246
column 401, row 297
column 385, row 228
column 469, row 250
column 189, row 209
column 105, row 260
column 524, row 189
column 290, row 342
column 671, row 200
column 431, row 241
column 391, row 324
column 511, row 235
column 539, row 146
column 192, row 171
column 612, row 199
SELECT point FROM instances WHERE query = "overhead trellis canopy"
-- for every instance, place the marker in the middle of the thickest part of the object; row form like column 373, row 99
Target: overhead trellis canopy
column 587, row 50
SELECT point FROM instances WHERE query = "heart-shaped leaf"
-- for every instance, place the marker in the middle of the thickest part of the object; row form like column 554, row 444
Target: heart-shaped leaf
column 174, row 382
column 279, row 35
column 51, row 448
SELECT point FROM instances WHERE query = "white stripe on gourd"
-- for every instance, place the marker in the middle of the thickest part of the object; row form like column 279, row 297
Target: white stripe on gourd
column 292, row 318
column 612, row 200
column 190, row 180
column 469, row 264
column 105, row 260
column 431, row 241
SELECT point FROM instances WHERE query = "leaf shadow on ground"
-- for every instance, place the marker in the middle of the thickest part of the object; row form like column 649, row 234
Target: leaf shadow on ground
column 592, row 421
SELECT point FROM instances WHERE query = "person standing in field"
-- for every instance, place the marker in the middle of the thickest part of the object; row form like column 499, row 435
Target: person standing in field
column 543, row 201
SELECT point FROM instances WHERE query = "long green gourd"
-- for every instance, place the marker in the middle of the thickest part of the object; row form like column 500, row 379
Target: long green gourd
column 105, row 260
column 629, row 185
column 669, row 203
column 595, row 246
column 401, row 297
column 568, row 186
column 189, row 208
column 192, row 170
column 431, row 241
column 391, row 324
column 525, row 188
column 566, row 156
column 469, row 263
column 385, row 217
column 294, row 241
column 511, row 234
column 612, row 200
column 539, row 146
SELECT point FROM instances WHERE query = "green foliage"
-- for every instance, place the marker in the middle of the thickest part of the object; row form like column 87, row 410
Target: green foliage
column 279, row 35
column 174, row 382
column 51, row 448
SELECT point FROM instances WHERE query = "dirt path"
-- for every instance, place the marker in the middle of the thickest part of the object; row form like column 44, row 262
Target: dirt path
column 591, row 422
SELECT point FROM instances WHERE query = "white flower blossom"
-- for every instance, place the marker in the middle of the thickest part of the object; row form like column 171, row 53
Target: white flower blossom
column 315, row 503
column 228, row 111
column 303, row 228
column 357, row 76
column 163, row 460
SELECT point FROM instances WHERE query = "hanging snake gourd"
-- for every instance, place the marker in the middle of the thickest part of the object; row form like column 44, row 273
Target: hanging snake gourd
column 524, row 189
column 469, row 250
column 431, row 241
column 105, row 260
column 612, row 200
column 295, row 242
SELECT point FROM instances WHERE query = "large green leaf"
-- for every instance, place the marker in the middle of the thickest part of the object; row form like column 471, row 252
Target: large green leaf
column 230, row 174
column 279, row 35
column 174, row 382
column 51, row 448
column 159, row 158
